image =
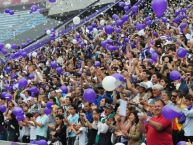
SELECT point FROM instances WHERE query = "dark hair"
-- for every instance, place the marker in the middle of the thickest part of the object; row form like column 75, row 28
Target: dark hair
column 136, row 116
column 60, row 108
column 96, row 110
column 29, row 115
column 61, row 117
column 160, row 100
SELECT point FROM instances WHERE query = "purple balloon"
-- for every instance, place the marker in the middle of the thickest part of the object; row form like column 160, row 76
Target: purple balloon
column 112, row 48
column 64, row 89
column 14, row 46
column 177, row 20
column 109, row 29
column 20, row 117
column 6, row 11
column 3, row 94
column 149, row 22
column 119, row 23
column 52, row 1
column 53, row 64
column 122, row 4
column 127, row 8
column 24, row 54
column 175, row 75
column 8, row 69
column 94, row 25
column 59, row 70
column 115, row 17
column 22, row 83
column 155, row 34
column 34, row 90
column 47, row 111
column 183, row 26
column 181, row 52
column 104, row 43
column 34, row 8
column 90, row 28
column 1, row 46
column 125, row 18
column 4, row 51
column 7, row 87
column 164, row 19
column 49, row 105
column 89, row 95
column 42, row 142
column 135, row 9
column 8, row 97
column 126, row 40
column 119, row 77
column 117, row 30
column 169, row 112
column 31, row 76
column 159, row 7
column 97, row 64
column 2, row 108
column 154, row 55
column 140, row 26
column 17, row 111
column 181, row 143
column 133, row 45
column 147, row 18
column 11, row 12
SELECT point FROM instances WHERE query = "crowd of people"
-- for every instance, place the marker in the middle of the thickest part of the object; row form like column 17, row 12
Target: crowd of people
column 132, row 113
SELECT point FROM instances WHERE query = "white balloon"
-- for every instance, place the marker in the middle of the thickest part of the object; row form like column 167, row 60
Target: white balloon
column 8, row 46
column 48, row 32
column 34, row 54
column 109, row 83
column 119, row 143
column 74, row 41
column 102, row 22
column 95, row 31
column 76, row 20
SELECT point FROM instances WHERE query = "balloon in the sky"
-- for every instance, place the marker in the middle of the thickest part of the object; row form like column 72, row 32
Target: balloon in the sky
column 181, row 52
column 48, row 32
column 115, row 17
column 135, row 9
column 22, row 83
column 175, row 75
column 11, row 12
column 47, row 111
column 17, row 111
column 6, row 11
column 89, row 95
column 1, row 45
column 64, row 89
column 159, row 7
column 181, row 143
column 34, row 8
column 109, row 29
column 2, row 108
column 76, row 20
column 8, row 46
column 109, row 83
column 14, row 46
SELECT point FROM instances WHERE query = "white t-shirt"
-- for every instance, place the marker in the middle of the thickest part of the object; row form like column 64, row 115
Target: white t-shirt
column 83, row 140
column 32, row 132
